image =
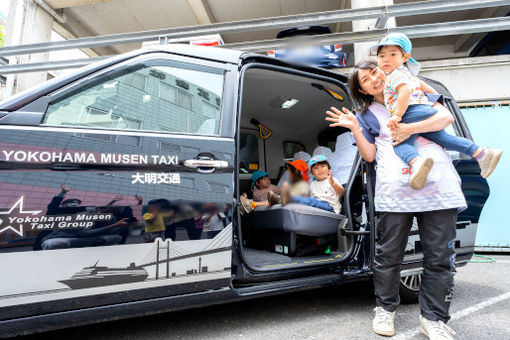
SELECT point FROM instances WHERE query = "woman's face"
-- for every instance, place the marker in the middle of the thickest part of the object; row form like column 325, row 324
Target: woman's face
column 371, row 81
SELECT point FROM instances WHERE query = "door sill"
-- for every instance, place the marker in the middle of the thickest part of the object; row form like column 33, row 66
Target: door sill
column 291, row 284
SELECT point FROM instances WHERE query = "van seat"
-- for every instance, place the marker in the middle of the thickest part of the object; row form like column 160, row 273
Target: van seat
column 245, row 187
column 296, row 229
column 296, row 218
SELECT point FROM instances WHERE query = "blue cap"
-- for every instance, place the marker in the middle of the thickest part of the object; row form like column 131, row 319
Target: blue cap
column 316, row 159
column 402, row 41
column 256, row 176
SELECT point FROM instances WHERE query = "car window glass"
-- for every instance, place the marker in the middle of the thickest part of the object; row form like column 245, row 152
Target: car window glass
column 248, row 153
column 290, row 148
column 159, row 96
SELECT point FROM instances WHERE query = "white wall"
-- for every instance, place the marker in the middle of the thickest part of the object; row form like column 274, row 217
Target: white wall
column 472, row 79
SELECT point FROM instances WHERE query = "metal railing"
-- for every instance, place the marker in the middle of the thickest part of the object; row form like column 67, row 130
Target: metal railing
column 3, row 61
column 382, row 13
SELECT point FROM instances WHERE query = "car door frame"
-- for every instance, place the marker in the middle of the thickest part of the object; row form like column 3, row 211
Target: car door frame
column 245, row 276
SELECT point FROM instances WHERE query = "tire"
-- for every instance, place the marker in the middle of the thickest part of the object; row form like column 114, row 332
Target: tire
column 410, row 288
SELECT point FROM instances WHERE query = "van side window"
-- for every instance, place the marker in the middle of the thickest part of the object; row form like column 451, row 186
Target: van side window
column 290, row 148
column 248, row 153
column 160, row 96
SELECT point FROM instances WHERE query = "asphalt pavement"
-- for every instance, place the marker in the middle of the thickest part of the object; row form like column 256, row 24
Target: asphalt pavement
column 480, row 310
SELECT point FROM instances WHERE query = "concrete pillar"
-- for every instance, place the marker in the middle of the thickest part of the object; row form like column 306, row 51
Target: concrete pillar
column 13, row 36
column 28, row 23
column 361, row 49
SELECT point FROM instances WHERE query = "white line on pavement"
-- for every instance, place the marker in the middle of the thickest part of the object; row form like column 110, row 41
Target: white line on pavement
column 460, row 314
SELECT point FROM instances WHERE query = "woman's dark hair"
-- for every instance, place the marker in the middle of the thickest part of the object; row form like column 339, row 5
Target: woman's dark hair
column 360, row 100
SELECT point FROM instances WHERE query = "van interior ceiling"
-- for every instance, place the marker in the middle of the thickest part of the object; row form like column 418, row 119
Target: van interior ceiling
column 292, row 107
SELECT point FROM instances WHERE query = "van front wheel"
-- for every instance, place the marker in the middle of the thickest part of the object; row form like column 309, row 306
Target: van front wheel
column 410, row 288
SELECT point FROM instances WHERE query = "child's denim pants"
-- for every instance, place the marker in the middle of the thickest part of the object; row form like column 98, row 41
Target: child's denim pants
column 313, row 202
column 416, row 113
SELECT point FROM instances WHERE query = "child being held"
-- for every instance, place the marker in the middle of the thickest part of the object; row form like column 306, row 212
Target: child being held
column 325, row 191
column 405, row 99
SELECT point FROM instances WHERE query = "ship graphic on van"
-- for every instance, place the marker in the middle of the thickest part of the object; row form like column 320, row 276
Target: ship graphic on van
column 96, row 276
column 162, row 253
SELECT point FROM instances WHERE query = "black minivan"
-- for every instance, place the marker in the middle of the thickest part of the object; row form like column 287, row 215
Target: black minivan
column 120, row 186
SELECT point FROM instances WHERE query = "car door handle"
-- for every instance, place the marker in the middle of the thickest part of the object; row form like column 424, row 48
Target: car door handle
column 205, row 166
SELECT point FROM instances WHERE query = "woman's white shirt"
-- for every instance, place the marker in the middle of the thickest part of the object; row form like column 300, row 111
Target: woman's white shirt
column 392, row 190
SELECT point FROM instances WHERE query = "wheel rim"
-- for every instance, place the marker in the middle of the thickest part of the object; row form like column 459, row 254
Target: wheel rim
column 412, row 282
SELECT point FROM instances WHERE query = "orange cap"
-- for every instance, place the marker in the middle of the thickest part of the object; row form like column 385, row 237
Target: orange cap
column 300, row 165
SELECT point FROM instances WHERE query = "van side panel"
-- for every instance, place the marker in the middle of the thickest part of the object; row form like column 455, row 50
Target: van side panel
column 122, row 192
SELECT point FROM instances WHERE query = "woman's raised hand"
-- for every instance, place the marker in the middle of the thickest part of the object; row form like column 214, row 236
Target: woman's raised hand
column 344, row 118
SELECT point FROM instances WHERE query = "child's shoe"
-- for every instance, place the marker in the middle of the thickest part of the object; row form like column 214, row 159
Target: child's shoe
column 273, row 198
column 285, row 193
column 420, row 170
column 488, row 161
column 246, row 205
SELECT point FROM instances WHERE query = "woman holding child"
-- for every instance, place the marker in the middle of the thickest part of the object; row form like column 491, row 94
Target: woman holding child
column 435, row 205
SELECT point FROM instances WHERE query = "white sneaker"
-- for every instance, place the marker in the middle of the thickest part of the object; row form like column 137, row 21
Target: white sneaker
column 489, row 162
column 436, row 330
column 420, row 170
column 246, row 205
column 383, row 323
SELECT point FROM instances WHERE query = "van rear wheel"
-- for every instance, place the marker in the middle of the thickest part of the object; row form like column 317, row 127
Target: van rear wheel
column 410, row 288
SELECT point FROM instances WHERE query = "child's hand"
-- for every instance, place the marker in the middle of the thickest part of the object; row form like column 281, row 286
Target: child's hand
column 393, row 122
column 121, row 223
column 64, row 189
column 330, row 177
column 118, row 198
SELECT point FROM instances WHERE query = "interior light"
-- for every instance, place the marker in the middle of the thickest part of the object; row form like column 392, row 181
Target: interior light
column 110, row 85
column 289, row 103
column 146, row 98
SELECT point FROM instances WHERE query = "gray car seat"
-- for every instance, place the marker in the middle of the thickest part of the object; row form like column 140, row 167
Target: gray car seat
column 291, row 228
column 296, row 218
column 322, row 150
column 298, row 155
column 343, row 157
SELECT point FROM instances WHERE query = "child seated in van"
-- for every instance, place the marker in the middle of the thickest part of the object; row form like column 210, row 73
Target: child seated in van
column 260, row 185
column 325, row 191
column 405, row 99
column 298, row 186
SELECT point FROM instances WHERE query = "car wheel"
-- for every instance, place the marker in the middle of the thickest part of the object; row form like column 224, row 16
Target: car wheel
column 410, row 288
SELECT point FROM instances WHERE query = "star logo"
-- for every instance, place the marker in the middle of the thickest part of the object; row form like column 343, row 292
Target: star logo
column 18, row 209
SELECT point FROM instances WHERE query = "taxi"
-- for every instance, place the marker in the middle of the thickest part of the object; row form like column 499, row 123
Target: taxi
column 120, row 186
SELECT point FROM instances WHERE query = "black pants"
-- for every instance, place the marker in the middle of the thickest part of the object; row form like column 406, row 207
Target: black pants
column 437, row 235
column 194, row 233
